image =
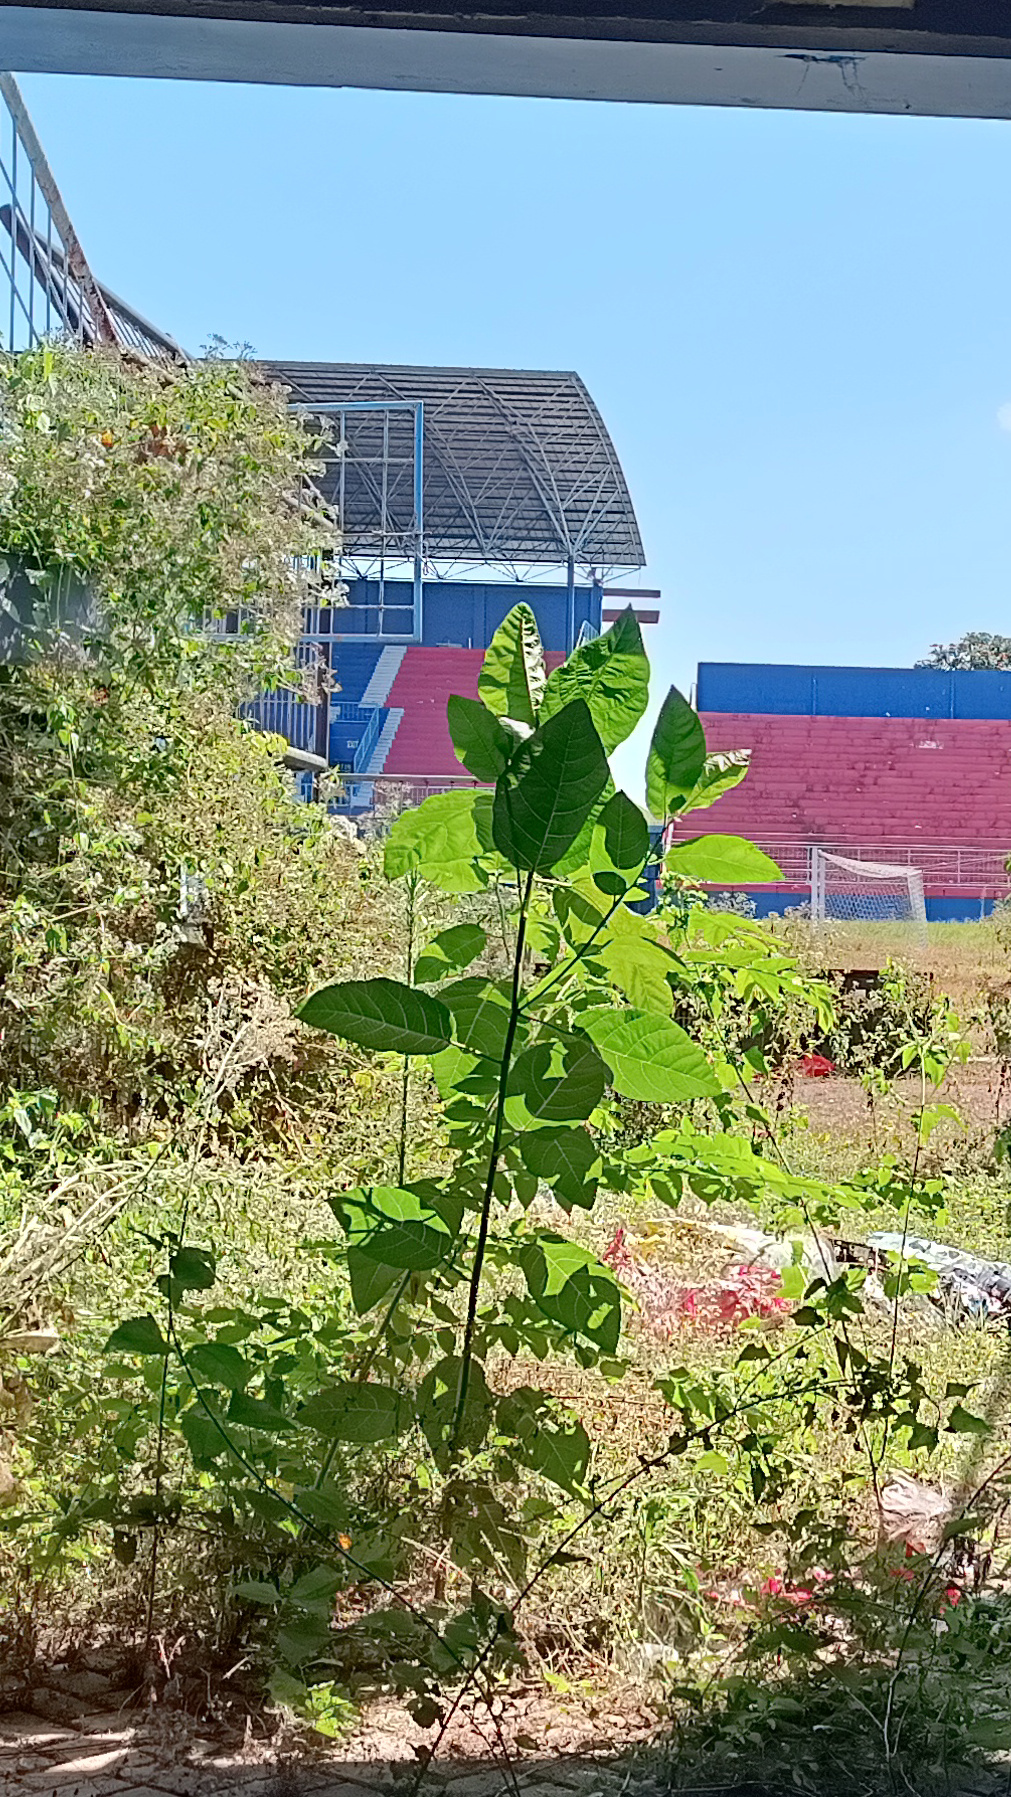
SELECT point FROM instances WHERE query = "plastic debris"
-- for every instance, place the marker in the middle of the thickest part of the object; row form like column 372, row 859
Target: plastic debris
column 976, row 1287
column 914, row 1514
column 748, row 1289
column 816, row 1066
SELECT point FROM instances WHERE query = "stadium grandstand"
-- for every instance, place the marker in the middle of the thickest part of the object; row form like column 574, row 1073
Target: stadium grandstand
column 459, row 491
column 898, row 766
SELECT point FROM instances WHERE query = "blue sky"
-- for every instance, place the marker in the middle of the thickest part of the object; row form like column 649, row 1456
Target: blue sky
column 797, row 326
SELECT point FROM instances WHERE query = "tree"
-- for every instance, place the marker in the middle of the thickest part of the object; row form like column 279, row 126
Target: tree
column 976, row 649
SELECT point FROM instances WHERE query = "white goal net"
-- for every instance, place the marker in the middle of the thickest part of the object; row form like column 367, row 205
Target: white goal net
column 886, row 899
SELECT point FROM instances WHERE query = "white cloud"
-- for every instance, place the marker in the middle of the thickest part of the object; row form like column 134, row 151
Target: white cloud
column 1004, row 416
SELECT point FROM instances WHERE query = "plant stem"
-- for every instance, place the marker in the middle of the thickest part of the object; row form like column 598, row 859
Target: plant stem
column 467, row 1350
column 405, row 1084
column 571, row 961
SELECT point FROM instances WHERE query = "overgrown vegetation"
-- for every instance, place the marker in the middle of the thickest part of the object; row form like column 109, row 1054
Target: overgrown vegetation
column 976, row 649
column 366, row 1304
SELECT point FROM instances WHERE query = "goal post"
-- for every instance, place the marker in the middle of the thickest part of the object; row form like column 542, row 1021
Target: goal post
column 845, row 890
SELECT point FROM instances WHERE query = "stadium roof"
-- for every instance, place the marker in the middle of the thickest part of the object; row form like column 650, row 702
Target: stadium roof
column 518, row 465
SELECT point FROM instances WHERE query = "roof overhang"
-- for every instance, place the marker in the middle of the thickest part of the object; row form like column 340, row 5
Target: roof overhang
column 942, row 57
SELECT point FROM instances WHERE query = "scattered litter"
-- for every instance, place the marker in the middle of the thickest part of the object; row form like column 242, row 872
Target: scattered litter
column 816, row 1066
column 914, row 1514
column 967, row 1286
column 744, row 1290
column 979, row 1288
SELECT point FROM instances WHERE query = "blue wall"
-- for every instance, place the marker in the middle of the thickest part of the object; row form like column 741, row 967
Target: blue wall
column 939, row 910
column 852, row 692
column 465, row 613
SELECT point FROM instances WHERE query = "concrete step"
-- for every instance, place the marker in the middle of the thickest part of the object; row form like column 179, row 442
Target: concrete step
column 384, row 674
column 377, row 760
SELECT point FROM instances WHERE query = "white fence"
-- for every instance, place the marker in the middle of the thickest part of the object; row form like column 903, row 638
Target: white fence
column 974, row 868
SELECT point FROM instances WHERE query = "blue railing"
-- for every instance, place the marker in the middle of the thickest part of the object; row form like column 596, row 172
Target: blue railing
column 373, row 731
column 288, row 714
column 342, row 711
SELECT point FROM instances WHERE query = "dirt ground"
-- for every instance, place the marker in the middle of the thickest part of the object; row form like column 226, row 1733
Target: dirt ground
column 75, row 1735
column 60, row 1745
column 841, row 1108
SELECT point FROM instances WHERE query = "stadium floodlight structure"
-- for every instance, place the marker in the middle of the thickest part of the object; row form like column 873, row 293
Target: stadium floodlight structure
column 846, row 891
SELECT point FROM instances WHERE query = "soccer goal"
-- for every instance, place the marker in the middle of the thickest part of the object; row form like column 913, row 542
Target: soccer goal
column 873, row 893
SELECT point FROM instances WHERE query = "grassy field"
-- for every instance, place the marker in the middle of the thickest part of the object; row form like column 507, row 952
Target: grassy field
column 961, row 958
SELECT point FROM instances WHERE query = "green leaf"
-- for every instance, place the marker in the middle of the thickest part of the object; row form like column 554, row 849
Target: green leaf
column 721, row 860
column 443, row 840
column 193, row 1269
column 480, row 1010
column 650, row 1057
column 370, row 1280
column 256, row 1591
column 257, row 1413
column 325, row 1505
column 450, row 952
column 287, row 1691
column 353, row 1412
column 550, row 1439
column 219, row 1364
column 479, row 740
column 511, row 682
column 921, row 1435
column 677, row 756
column 481, row 1532
column 398, row 1227
column 713, row 1462
column 316, row 1587
column 303, row 1638
column 548, row 792
column 720, row 774
column 636, row 964
column 577, row 857
column 612, row 674
column 968, row 1524
column 568, row 1160
column 138, row 1335
column 619, row 845
column 992, row 1733
column 581, row 914
column 436, row 1406
column 963, row 1422
column 454, row 1070
column 555, row 1082
column 204, row 1440
column 381, row 1014
column 573, row 1288
column 793, row 1282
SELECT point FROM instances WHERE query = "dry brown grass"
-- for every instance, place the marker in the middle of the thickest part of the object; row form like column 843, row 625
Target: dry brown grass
column 961, row 959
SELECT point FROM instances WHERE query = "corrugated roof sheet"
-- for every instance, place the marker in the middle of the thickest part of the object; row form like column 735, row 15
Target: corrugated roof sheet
column 519, row 466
